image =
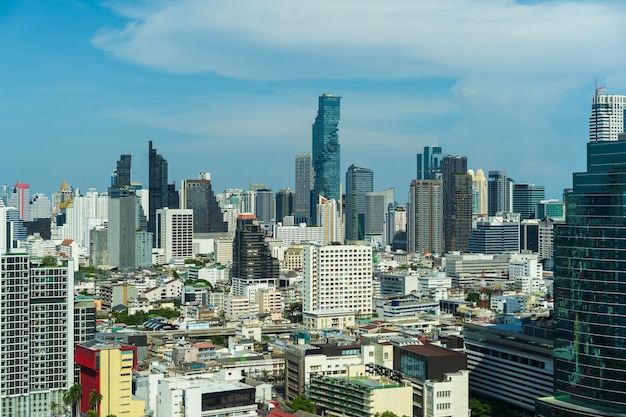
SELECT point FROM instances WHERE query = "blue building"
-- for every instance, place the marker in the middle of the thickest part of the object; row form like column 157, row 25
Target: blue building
column 358, row 182
column 429, row 163
column 326, row 148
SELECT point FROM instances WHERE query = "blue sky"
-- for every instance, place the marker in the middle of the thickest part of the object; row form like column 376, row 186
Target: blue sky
column 231, row 87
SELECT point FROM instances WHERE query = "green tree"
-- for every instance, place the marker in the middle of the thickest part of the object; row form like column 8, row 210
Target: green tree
column 95, row 398
column 301, row 402
column 479, row 409
column 386, row 414
column 92, row 413
column 473, row 297
column 71, row 398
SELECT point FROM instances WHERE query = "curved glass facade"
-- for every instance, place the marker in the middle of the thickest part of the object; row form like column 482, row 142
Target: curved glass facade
column 590, row 284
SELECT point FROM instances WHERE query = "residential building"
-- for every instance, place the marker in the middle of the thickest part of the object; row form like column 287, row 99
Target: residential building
column 174, row 228
column 337, row 276
column 525, row 199
column 479, row 192
column 317, row 320
column 304, row 184
column 326, row 151
column 358, row 182
column 425, row 217
column 607, row 116
column 299, row 234
column 329, row 217
column 198, row 196
column 396, row 227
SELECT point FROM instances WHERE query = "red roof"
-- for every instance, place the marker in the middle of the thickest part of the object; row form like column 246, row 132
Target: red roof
column 67, row 242
column 276, row 412
column 246, row 216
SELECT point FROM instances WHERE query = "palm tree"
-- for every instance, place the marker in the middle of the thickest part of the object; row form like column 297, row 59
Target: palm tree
column 71, row 397
column 53, row 408
column 95, row 398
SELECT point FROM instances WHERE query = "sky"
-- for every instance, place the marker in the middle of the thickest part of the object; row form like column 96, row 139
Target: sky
column 231, row 87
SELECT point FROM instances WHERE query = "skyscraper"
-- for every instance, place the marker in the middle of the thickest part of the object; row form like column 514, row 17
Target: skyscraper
column 304, row 184
column 479, row 191
column 122, row 175
column 326, row 149
column 252, row 258
column 429, row 163
column 607, row 116
column 457, row 203
column 526, row 197
column 198, row 195
column 284, row 204
column 264, row 207
column 425, row 217
column 590, row 290
column 157, row 185
column 175, row 233
column 499, row 193
column 358, row 182
column 20, row 199
column 377, row 205
column 122, row 227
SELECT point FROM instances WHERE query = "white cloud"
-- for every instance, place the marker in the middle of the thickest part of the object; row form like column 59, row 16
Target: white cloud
column 367, row 38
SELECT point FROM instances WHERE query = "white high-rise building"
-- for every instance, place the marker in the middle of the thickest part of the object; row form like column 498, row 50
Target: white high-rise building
column 607, row 116
column 376, row 206
column 479, row 191
column 329, row 218
column 337, row 277
column 174, row 230
column 83, row 214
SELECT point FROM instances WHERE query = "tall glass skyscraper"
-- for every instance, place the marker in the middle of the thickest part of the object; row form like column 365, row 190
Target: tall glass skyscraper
column 157, row 185
column 304, row 184
column 590, row 290
column 429, row 163
column 358, row 182
column 326, row 148
column 526, row 197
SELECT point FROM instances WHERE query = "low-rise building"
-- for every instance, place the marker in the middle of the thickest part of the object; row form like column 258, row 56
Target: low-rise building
column 317, row 320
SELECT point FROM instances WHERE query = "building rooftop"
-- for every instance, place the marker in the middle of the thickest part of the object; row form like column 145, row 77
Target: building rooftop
column 430, row 350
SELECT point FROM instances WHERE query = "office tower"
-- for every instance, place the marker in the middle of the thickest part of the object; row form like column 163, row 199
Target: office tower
column 122, row 227
column 252, row 258
column 20, row 199
column 499, row 193
column 248, row 202
column 526, row 197
column 529, row 235
column 40, row 207
column 495, row 235
column 607, row 116
column 457, row 203
column 256, row 186
column 284, row 204
column 589, row 290
column 36, row 323
column 329, row 219
column 377, row 204
column 479, row 191
column 358, row 182
column 107, row 367
column 174, row 229
column 429, row 163
column 304, row 184
column 264, row 205
column 198, row 196
column 157, row 186
column 326, row 149
column 425, row 217
column 337, row 277
column 122, row 175
column 15, row 229
column 551, row 208
column 396, row 227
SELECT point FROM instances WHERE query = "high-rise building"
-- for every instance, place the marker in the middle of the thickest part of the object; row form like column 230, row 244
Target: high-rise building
column 198, row 196
column 284, row 204
column 499, row 193
column 396, row 227
column 20, row 199
column 329, row 219
column 175, row 233
column 526, row 197
column 551, row 208
column 495, row 235
column 304, row 184
column 264, row 207
column 122, row 175
column 122, row 227
column 590, row 290
column 358, row 182
column 457, row 203
column 337, row 277
column 429, row 163
column 326, row 149
column 479, row 191
column 157, row 186
column 252, row 258
column 377, row 205
column 607, row 116
column 37, row 327
column 425, row 217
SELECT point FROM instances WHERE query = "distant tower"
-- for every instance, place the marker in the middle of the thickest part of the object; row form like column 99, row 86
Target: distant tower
column 264, row 205
column 607, row 116
column 425, row 217
column 252, row 259
column 326, row 149
column 304, row 184
column 122, row 175
column 429, row 163
column 377, row 205
column 284, row 204
column 198, row 195
column 526, row 197
column 157, row 185
column 20, row 199
column 499, row 193
column 358, row 182
column 175, row 233
column 457, row 203
column 479, row 192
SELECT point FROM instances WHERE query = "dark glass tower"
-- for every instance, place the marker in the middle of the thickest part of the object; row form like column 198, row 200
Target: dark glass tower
column 157, row 186
column 429, row 163
column 499, row 193
column 122, row 175
column 326, row 148
column 525, row 199
column 284, row 204
column 590, row 290
column 358, row 182
column 457, row 203
column 207, row 216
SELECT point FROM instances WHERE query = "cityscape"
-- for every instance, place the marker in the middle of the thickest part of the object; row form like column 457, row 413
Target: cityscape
column 347, row 209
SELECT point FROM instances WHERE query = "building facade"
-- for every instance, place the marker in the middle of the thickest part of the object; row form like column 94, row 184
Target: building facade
column 198, row 196
column 175, row 233
column 525, row 199
column 457, row 203
column 358, row 182
column 607, row 116
column 304, row 184
column 425, row 217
